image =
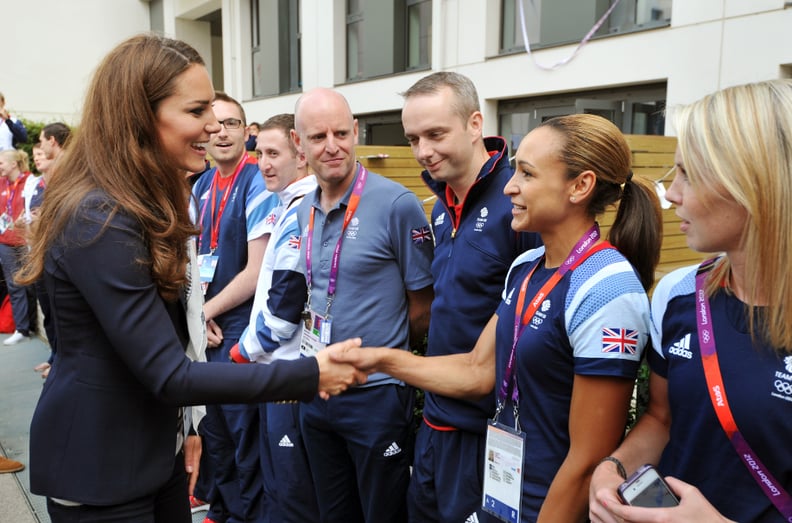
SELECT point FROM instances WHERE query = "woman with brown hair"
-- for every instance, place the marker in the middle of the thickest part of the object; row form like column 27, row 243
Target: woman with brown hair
column 106, row 437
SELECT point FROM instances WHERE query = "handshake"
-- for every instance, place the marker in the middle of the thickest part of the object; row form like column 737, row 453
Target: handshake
column 343, row 365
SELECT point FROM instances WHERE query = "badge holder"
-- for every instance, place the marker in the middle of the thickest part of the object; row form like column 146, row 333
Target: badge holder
column 316, row 330
column 207, row 265
column 503, row 468
column 6, row 223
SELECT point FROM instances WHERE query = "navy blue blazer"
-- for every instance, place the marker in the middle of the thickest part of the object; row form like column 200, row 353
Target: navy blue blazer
column 104, row 429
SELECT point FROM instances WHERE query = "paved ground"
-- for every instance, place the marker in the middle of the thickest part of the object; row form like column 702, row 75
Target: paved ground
column 20, row 387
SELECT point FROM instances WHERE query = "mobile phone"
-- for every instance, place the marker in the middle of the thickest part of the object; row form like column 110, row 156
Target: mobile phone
column 646, row 488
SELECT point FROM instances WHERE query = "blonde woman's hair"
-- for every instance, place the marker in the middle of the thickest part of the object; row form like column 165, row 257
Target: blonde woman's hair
column 19, row 157
column 738, row 141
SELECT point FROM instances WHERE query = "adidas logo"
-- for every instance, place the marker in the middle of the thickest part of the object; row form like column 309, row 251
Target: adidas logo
column 473, row 518
column 285, row 442
column 682, row 348
column 392, row 450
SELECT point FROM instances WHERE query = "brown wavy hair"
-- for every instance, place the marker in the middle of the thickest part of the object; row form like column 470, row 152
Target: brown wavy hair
column 591, row 142
column 116, row 150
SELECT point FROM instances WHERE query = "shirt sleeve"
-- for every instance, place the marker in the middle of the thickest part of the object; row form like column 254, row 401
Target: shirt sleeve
column 412, row 241
column 107, row 266
column 278, row 319
column 608, row 321
column 260, row 209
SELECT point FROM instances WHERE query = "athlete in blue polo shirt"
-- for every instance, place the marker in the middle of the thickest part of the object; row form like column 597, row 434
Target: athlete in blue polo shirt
column 563, row 348
column 474, row 247
column 235, row 213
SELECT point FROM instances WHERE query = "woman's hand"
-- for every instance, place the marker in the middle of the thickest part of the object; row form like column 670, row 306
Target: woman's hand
column 602, row 492
column 335, row 377
column 693, row 506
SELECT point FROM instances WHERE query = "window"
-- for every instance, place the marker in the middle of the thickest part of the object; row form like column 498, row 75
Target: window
column 635, row 110
column 558, row 22
column 275, row 45
column 387, row 36
column 381, row 129
column 419, row 33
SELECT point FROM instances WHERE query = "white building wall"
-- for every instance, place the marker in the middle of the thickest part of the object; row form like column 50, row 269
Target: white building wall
column 710, row 44
column 54, row 47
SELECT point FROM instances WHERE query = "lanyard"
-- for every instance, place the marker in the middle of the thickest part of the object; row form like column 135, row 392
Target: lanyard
column 216, row 215
column 582, row 250
column 10, row 194
column 709, row 358
column 354, row 200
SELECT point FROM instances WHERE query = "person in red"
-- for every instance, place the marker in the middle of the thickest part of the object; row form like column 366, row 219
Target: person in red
column 13, row 173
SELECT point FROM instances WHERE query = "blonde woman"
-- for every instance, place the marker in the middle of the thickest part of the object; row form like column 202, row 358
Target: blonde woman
column 13, row 174
column 723, row 330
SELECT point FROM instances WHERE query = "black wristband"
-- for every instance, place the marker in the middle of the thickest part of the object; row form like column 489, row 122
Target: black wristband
column 619, row 466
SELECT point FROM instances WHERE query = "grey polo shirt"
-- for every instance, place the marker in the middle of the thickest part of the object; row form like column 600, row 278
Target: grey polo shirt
column 383, row 255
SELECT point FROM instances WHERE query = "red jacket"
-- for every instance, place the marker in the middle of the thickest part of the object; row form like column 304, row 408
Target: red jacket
column 12, row 203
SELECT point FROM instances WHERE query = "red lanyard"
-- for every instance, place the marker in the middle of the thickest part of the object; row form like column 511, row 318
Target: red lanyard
column 10, row 194
column 218, row 210
column 354, row 201
column 771, row 487
column 580, row 252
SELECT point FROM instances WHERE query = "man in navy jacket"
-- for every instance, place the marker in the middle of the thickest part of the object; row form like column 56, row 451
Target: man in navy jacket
column 474, row 248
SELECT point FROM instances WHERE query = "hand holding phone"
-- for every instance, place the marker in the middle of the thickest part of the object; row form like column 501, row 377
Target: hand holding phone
column 646, row 488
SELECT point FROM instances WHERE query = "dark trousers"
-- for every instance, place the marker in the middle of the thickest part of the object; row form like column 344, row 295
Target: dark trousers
column 447, row 478
column 284, row 463
column 359, row 448
column 167, row 505
column 20, row 297
column 230, row 435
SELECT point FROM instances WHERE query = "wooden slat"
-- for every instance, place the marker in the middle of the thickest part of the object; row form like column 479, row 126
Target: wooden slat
column 642, row 159
column 651, row 143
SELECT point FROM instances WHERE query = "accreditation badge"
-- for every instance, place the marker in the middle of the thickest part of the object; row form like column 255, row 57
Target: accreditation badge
column 315, row 333
column 503, row 472
column 207, row 265
column 6, row 223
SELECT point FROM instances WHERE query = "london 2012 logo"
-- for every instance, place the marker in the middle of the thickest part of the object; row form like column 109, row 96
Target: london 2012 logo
column 783, row 381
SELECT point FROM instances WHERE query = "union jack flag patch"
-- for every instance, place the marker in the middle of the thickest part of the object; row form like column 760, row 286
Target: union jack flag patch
column 623, row 341
column 294, row 242
column 421, row 235
column 271, row 219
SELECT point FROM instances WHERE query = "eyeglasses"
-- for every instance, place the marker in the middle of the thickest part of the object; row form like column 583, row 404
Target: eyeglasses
column 231, row 123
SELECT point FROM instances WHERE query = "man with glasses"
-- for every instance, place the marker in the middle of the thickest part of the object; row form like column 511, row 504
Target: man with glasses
column 235, row 213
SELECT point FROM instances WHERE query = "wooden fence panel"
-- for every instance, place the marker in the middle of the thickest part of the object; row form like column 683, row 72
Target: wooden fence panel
column 653, row 156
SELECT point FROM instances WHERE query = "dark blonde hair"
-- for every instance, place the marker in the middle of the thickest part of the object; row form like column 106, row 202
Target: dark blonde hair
column 593, row 143
column 738, row 142
column 19, row 157
column 116, row 150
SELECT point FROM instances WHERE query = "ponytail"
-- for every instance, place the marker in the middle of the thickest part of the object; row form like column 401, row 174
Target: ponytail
column 637, row 230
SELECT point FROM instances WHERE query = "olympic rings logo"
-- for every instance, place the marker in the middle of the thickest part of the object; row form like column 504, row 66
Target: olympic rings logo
column 705, row 336
column 783, row 387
